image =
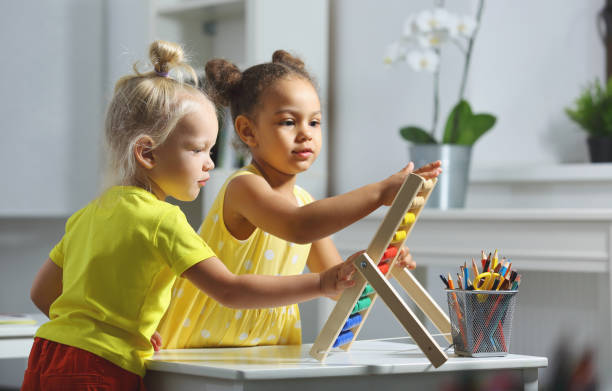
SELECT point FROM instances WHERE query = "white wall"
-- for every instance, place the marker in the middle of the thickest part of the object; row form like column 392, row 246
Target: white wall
column 57, row 79
column 529, row 62
column 51, row 105
column 51, row 109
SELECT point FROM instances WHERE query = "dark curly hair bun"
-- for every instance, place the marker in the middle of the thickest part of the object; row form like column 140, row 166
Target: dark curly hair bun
column 223, row 79
column 283, row 57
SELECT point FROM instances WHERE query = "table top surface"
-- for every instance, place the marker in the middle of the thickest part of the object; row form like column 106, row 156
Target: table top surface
column 15, row 330
column 385, row 356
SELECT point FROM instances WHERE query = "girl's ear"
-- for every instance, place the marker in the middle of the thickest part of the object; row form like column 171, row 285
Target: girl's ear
column 143, row 152
column 244, row 128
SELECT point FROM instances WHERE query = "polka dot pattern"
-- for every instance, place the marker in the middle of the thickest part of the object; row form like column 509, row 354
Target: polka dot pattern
column 269, row 255
column 262, row 253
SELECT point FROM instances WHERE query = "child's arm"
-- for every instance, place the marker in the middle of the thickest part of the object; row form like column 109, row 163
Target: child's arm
column 260, row 291
column 47, row 286
column 250, row 200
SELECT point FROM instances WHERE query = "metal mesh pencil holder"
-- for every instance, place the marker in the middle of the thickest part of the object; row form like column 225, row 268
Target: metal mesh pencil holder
column 481, row 321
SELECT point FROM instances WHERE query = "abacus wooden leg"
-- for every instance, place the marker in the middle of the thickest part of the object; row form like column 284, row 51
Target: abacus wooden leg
column 424, row 301
column 368, row 269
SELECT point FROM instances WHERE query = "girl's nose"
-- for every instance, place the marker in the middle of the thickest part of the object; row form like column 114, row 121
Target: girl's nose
column 304, row 133
column 208, row 164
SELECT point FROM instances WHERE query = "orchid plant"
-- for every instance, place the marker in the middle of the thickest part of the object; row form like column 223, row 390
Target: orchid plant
column 420, row 45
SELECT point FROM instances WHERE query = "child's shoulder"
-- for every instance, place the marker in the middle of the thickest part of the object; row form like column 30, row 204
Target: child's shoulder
column 135, row 202
column 246, row 176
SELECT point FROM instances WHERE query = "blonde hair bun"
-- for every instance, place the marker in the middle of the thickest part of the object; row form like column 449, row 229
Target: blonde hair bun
column 165, row 55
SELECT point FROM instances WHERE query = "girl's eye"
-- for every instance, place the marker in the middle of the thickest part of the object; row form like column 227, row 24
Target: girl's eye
column 315, row 123
column 287, row 122
column 197, row 150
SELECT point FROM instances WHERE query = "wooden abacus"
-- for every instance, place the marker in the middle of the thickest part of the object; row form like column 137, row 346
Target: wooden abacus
column 374, row 266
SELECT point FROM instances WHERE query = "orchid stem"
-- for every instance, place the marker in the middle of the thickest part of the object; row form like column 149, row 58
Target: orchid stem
column 436, row 97
column 468, row 54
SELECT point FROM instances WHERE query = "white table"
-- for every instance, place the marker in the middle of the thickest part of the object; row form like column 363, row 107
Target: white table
column 385, row 364
column 15, row 344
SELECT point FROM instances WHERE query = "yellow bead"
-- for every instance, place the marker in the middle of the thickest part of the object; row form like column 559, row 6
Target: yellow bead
column 408, row 218
column 399, row 235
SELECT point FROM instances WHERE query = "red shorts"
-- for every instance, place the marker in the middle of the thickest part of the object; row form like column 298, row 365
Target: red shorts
column 55, row 366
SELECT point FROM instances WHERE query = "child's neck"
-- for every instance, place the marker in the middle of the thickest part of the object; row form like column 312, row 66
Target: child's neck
column 278, row 180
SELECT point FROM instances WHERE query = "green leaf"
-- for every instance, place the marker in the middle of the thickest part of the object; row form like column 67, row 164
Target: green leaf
column 479, row 124
column 464, row 127
column 592, row 109
column 457, row 122
column 417, row 135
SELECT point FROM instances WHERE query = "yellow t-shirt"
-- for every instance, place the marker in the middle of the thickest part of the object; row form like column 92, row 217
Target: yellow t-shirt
column 195, row 320
column 119, row 257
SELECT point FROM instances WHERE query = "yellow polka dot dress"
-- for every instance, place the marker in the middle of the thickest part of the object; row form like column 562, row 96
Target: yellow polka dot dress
column 195, row 320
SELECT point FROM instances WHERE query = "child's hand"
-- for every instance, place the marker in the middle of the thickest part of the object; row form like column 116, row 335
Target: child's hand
column 337, row 278
column 404, row 259
column 392, row 184
column 156, row 341
column 430, row 171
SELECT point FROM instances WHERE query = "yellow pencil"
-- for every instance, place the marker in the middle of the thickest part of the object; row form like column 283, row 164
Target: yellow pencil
column 494, row 260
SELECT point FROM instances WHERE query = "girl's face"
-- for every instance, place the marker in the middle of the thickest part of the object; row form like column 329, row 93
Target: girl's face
column 182, row 162
column 287, row 128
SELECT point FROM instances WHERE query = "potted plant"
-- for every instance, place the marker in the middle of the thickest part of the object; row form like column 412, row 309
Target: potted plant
column 423, row 37
column 592, row 110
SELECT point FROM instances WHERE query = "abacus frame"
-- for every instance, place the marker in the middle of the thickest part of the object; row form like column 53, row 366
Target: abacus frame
column 411, row 197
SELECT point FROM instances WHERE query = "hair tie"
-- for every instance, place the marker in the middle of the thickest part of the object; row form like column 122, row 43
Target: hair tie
column 162, row 74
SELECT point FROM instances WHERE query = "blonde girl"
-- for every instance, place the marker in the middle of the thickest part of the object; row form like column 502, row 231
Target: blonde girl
column 107, row 283
column 261, row 221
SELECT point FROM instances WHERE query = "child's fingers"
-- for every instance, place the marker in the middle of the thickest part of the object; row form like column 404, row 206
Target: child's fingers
column 405, row 259
column 408, row 169
column 345, row 284
column 430, row 170
column 346, row 271
column 156, row 341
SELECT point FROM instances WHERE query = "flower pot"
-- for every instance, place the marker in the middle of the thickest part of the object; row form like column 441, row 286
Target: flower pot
column 600, row 148
column 450, row 192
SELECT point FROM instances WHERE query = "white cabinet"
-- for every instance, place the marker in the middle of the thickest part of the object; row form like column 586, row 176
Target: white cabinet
column 206, row 28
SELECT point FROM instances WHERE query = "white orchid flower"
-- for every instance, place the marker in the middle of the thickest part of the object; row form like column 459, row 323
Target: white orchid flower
column 410, row 28
column 466, row 25
column 462, row 26
column 431, row 20
column 395, row 52
column 433, row 39
column 423, row 60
